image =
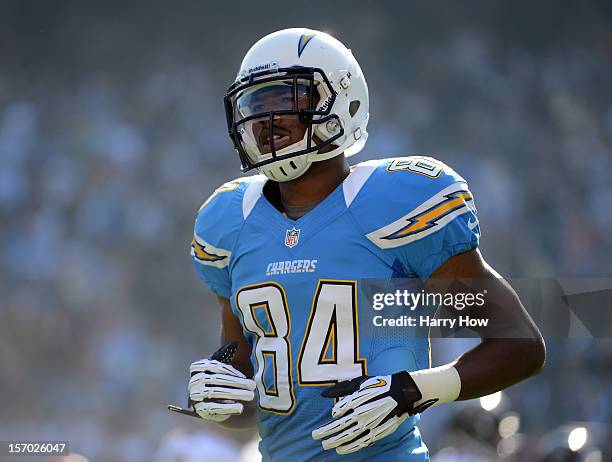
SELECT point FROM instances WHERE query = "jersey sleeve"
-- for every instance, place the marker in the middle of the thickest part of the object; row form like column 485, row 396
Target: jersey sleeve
column 429, row 216
column 216, row 229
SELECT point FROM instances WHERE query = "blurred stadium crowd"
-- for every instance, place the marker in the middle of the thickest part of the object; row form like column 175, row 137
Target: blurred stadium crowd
column 112, row 133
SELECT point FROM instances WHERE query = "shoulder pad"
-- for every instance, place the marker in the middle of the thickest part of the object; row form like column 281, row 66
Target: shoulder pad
column 407, row 198
column 220, row 218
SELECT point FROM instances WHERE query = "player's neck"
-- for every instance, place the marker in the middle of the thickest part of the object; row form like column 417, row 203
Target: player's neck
column 316, row 184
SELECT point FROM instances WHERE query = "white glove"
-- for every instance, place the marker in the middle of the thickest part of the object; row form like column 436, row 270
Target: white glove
column 371, row 408
column 215, row 389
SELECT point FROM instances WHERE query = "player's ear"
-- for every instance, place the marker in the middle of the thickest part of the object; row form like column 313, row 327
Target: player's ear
column 344, row 388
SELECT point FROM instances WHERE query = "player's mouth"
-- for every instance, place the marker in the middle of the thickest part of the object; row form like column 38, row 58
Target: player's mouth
column 280, row 137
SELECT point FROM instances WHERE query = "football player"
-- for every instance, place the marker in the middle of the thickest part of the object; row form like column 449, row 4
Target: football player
column 285, row 252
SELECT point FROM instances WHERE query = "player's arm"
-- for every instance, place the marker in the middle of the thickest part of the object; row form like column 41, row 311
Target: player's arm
column 512, row 348
column 231, row 331
column 437, row 241
column 221, row 387
column 224, row 392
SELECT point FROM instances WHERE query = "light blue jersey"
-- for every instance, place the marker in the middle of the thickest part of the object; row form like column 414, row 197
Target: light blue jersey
column 295, row 286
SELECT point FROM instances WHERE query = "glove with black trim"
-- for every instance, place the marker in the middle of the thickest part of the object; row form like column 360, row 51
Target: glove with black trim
column 216, row 387
column 370, row 408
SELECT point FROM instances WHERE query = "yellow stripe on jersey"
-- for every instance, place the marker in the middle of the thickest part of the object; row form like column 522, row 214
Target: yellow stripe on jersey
column 428, row 218
column 207, row 254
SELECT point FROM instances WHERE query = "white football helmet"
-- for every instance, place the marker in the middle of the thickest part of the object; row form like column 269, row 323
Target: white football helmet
column 296, row 75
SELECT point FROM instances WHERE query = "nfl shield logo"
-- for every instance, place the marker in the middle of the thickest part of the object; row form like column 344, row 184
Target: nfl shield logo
column 292, row 236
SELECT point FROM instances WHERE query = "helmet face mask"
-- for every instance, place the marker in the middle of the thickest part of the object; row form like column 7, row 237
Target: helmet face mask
column 299, row 97
column 262, row 106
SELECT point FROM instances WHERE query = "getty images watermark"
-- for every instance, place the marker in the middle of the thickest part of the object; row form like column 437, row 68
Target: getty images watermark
column 413, row 301
column 404, row 308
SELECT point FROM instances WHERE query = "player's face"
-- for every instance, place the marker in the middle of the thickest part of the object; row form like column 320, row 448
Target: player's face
column 279, row 96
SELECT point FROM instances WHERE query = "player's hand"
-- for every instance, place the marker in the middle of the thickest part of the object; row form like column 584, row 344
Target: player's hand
column 370, row 408
column 216, row 388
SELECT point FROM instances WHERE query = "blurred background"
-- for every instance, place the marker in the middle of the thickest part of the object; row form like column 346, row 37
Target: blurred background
column 112, row 133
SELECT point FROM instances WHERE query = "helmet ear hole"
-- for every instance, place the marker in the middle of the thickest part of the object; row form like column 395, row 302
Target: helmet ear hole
column 354, row 107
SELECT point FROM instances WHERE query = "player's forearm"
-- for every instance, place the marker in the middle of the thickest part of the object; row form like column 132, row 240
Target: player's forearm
column 493, row 365
column 496, row 364
column 245, row 421
column 512, row 349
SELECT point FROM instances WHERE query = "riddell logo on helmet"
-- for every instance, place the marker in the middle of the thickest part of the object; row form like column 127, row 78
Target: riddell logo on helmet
column 325, row 105
column 262, row 67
